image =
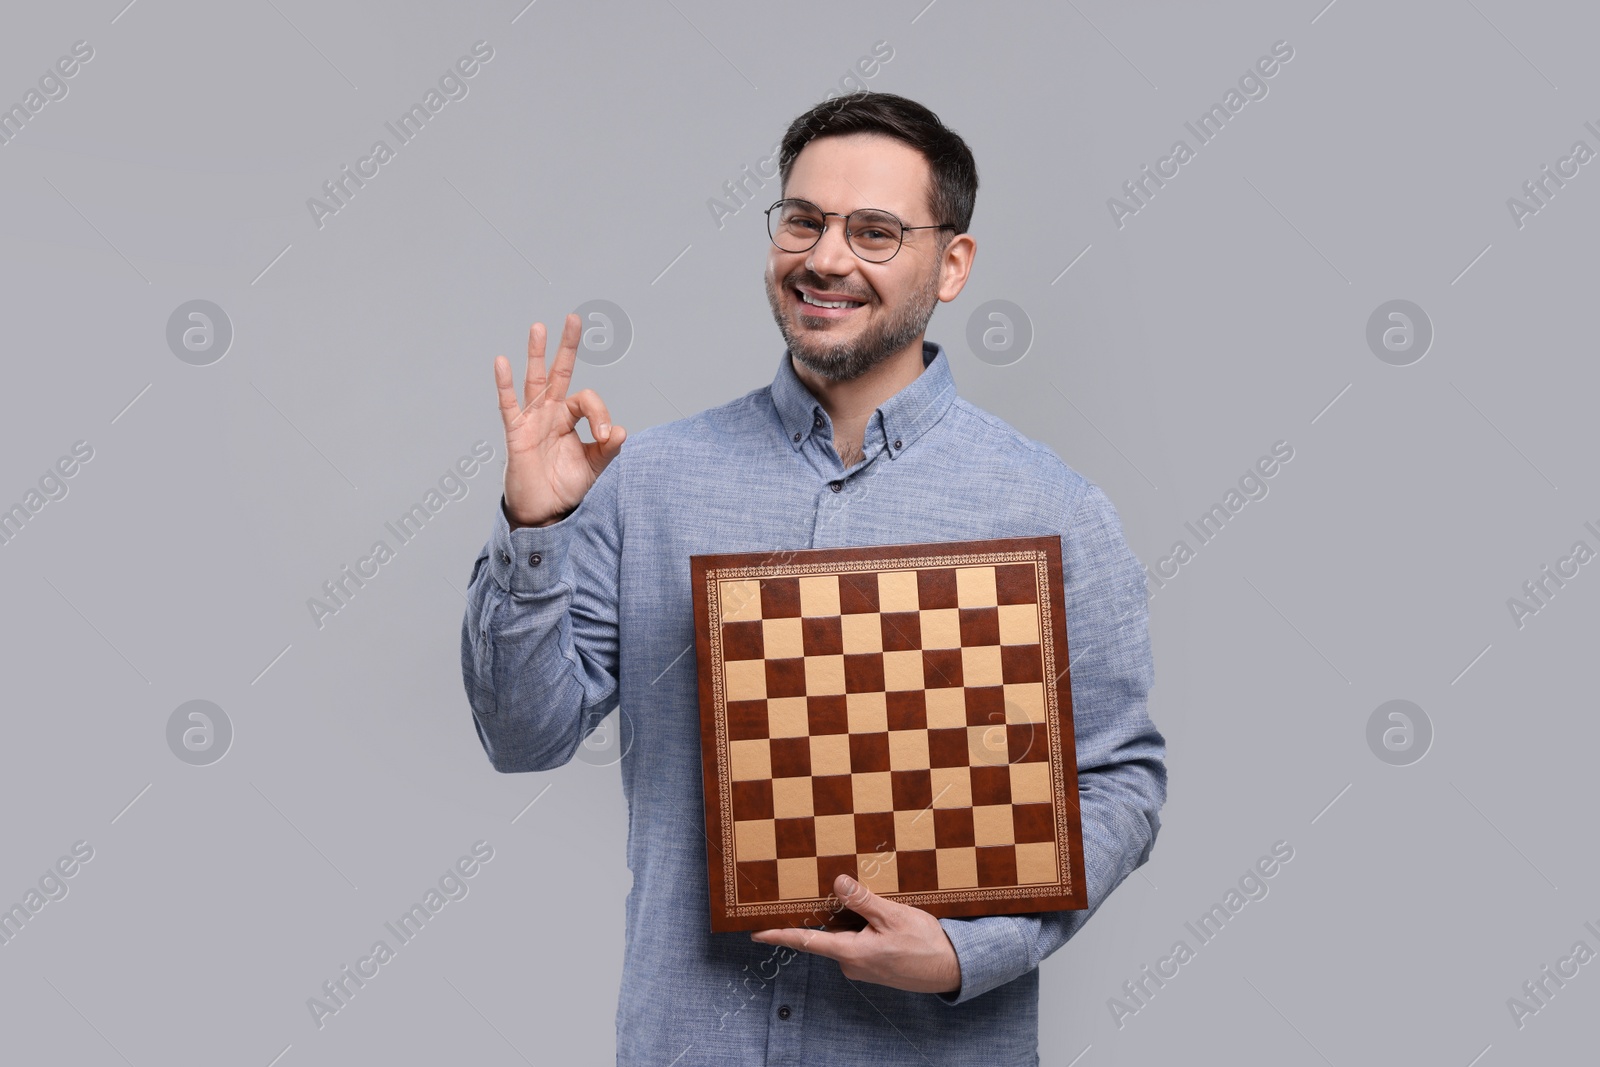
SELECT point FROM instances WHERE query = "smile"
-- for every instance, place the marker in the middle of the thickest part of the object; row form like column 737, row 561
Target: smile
column 827, row 308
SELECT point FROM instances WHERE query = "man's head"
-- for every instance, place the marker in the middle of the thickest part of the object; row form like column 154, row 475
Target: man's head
column 882, row 151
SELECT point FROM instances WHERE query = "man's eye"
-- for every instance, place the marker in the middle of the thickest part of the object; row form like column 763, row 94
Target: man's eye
column 803, row 224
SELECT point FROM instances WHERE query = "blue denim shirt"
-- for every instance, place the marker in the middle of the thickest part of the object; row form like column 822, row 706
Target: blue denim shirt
column 565, row 621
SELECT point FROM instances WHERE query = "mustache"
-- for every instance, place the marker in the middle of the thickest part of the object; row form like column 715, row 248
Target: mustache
column 811, row 281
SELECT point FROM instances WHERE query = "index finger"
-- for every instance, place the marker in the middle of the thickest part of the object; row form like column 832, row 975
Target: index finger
column 823, row 943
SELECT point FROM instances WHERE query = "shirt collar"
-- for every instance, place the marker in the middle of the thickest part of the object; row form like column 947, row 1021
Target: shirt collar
column 901, row 419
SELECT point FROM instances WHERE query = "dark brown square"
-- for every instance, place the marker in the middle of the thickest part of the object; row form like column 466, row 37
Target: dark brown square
column 791, row 756
column 863, row 672
column 908, row 709
column 997, row 865
column 822, row 635
column 919, row 871
column 986, row 705
column 831, row 867
column 742, row 640
column 980, row 626
column 936, row 588
column 1016, row 583
column 752, row 799
column 831, row 794
column 991, row 785
column 912, row 790
column 952, row 828
column 1027, row 742
column 869, row 752
column 858, row 593
column 780, row 598
column 941, row 667
column 747, row 719
column 1033, row 822
column 902, row 630
column 758, row 880
column 786, row 677
column 875, row 832
column 796, row 837
column 1021, row 663
column 827, row 715
column 948, row 748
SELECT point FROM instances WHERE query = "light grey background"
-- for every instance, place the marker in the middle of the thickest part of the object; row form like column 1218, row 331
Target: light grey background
column 1228, row 314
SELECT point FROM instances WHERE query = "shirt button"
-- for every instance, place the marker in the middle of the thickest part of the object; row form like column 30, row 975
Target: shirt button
column 897, row 442
column 817, row 421
column 535, row 559
column 797, row 435
column 783, row 1011
column 505, row 557
column 835, row 486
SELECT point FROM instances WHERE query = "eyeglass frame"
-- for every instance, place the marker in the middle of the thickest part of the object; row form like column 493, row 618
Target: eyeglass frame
column 846, row 216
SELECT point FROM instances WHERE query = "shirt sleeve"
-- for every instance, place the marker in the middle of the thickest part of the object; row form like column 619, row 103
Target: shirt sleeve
column 539, row 654
column 1122, row 777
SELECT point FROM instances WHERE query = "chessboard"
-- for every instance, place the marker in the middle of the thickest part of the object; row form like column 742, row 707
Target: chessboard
column 898, row 713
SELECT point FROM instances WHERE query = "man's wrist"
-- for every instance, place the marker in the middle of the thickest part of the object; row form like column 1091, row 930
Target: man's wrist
column 518, row 524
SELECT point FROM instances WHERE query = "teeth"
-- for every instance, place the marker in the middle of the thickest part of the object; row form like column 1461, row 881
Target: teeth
column 828, row 304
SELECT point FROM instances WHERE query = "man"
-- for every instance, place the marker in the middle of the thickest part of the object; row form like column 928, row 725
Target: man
column 581, row 601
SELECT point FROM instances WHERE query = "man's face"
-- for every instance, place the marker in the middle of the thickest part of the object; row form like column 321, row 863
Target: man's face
column 892, row 301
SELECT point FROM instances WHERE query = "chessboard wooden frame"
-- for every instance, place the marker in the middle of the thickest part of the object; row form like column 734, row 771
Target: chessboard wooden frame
column 707, row 570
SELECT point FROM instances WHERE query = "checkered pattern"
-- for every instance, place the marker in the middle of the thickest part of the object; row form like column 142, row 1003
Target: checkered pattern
column 889, row 725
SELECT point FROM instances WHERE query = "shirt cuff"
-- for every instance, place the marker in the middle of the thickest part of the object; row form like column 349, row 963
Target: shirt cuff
column 528, row 562
column 992, row 951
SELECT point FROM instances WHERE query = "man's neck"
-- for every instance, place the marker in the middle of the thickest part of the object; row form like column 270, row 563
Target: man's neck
column 851, row 403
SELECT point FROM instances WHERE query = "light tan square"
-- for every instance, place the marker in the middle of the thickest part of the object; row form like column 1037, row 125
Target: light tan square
column 1030, row 783
column 830, row 754
column 952, row 787
column 741, row 600
column 1036, row 862
column 786, row 717
column 819, row 594
column 780, row 639
column 871, row 791
column 791, row 798
column 745, row 679
column 988, row 746
column 749, row 759
column 797, row 877
column 862, row 633
column 1025, row 702
column 908, row 750
column 975, row 587
column 897, row 591
column 958, row 867
column 946, row 708
column 836, row 835
column 941, row 627
column 878, row 872
column 992, row 825
column 866, row 713
column 902, row 670
column 913, row 830
column 824, row 675
column 980, row 665
column 756, row 839
column 1019, row 624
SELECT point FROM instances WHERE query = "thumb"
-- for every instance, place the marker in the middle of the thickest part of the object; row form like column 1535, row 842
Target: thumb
column 601, row 453
column 861, row 900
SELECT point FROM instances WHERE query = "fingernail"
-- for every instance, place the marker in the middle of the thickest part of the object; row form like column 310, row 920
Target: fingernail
column 605, row 430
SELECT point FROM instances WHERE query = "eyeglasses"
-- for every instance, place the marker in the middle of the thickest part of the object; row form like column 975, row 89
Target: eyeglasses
column 872, row 234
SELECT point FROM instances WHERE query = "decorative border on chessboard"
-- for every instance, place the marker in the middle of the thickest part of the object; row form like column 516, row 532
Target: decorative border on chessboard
column 1041, row 562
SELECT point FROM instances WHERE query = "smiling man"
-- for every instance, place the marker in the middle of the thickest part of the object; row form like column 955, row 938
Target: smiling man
column 580, row 601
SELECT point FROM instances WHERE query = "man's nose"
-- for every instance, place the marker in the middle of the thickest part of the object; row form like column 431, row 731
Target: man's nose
column 832, row 255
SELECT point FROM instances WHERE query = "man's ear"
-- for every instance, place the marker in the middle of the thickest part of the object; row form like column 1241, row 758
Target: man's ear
column 955, row 262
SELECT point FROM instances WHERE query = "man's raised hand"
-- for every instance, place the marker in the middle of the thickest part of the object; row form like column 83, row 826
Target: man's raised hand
column 548, row 467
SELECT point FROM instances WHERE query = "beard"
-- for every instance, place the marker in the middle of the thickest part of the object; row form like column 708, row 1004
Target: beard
column 846, row 360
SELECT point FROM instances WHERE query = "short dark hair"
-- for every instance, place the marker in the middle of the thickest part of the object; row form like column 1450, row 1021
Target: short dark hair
column 954, row 187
